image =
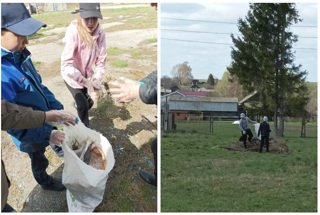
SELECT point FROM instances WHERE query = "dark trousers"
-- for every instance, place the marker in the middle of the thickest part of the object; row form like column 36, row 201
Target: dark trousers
column 83, row 102
column 7, row 208
column 154, row 151
column 39, row 164
column 264, row 140
column 244, row 137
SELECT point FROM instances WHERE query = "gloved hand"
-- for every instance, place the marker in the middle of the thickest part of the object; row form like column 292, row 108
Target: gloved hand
column 88, row 84
column 58, row 117
column 96, row 84
column 56, row 137
column 244, row 132
column 125, row 89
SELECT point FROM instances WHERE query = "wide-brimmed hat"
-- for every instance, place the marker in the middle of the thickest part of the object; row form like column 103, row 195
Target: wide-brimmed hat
column 16, row 18
column 88, row 10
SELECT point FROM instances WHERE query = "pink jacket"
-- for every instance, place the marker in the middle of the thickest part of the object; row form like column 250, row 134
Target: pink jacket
column 76, row 62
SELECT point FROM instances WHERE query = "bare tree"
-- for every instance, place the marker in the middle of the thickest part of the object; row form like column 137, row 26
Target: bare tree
column 182, row 73
column 166, row 81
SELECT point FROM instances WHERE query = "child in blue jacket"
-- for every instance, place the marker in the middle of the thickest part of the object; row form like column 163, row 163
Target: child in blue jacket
column 21, row 84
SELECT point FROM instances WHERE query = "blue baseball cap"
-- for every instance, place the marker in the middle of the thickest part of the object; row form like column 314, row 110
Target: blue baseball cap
column 88, row 10
column 16, row 18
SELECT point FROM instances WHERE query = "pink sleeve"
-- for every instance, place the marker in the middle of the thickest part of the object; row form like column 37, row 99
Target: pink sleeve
column 68, row 71
column 101, row 58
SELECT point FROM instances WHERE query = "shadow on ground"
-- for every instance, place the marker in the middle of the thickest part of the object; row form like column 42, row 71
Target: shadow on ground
column 40, row 200
column 275, row 146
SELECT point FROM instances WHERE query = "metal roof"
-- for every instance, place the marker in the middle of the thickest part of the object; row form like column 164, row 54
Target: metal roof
column 193, row 93
column 204, row 99
column 210, row 104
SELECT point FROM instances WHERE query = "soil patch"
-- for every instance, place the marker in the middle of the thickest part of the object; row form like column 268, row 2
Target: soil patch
column 275, row 146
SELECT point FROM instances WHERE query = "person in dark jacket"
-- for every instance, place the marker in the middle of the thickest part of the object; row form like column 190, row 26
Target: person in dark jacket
column 21, row 84
column 264, row 130
column 244, row 128
column 125, row 90
column 19, row 117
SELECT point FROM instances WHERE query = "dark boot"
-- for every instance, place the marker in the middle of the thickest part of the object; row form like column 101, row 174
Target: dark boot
column 55, row 185
column 148, row 177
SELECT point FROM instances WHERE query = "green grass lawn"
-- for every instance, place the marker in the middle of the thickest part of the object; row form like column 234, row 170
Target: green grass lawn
column 197, row 175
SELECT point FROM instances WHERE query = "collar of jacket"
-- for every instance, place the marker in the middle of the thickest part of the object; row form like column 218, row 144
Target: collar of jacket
column 14, row 56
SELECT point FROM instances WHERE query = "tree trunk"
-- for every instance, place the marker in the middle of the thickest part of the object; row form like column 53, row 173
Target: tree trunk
column 281, row 117
column 303, row 127
column 281, row 127
column 275, row 120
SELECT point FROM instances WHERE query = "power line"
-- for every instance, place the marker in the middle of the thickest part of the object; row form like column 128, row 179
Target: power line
column 231, row 23
column 195, row 20
column 210, row 32
column 206, row 32
column 194, row 41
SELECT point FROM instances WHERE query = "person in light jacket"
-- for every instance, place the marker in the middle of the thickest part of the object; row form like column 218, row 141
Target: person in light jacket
column 244, row 128
column 84, row 47
column 21, row 84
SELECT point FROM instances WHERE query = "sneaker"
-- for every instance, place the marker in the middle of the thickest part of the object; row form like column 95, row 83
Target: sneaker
column 55, row 185
column 58, row 150
column 148, row 177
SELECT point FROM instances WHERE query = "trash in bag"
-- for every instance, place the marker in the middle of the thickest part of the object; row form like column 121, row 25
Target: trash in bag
column 89, row 152
column 88, row 159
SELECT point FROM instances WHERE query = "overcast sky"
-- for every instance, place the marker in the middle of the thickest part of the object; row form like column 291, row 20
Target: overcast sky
column 210, row 57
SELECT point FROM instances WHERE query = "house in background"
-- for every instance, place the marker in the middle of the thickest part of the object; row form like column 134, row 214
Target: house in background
column 47, row 7
column 186, row 107
column 193, row 93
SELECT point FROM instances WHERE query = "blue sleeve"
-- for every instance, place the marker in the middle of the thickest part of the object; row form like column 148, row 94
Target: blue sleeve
column 7, row 91
column 54, row 103
column 35, row 135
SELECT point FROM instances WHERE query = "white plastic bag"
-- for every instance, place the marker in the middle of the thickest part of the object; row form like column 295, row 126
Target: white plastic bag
column 85, row 184
column 256, row 128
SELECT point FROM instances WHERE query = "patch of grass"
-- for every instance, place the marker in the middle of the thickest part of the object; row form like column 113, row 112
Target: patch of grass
column 119, row 63
column 115, row 51
column 197, row 175
column 147, row 18
column 55, row 19
column 35, row 36
column 152, row 40
column 107, row 110
column 136, row 54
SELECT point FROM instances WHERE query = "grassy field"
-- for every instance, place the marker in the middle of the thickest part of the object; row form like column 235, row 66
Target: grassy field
column 147, row 18
column 197, row 175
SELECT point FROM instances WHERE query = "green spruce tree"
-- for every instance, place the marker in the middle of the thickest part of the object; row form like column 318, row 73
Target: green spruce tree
column 262, row 57
column 210, row 80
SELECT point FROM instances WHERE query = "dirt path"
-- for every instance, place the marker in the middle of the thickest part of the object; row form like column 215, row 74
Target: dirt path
column 25, row 195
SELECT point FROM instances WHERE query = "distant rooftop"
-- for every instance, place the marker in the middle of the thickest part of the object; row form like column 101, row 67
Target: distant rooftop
column 204, row 99
column 193, row 93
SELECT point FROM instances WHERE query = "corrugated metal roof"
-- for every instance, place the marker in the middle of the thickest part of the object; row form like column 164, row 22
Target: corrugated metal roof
column 193, row 93
column 209, row 104
column 203, row 99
